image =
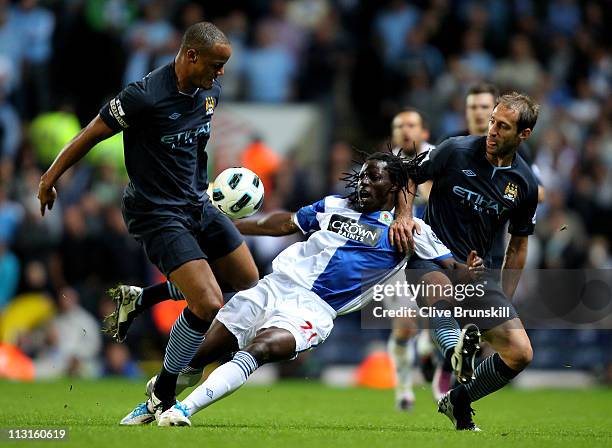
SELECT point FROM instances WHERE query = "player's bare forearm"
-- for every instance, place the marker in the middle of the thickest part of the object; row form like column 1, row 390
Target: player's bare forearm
column 274, row 224
column 516, row 255
column 464, row 273
column 81, row 144
column 405, row 199
column 400, row 231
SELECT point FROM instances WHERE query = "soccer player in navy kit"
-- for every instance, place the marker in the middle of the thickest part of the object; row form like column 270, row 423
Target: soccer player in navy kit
column 479, row 104
column 166, row 119
column 479, row 184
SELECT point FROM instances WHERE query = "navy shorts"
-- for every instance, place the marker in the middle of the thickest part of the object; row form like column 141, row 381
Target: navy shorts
column 172, row 236
column 487, row 311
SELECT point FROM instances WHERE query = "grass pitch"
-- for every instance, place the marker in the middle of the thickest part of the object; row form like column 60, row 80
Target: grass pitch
column 308, row 414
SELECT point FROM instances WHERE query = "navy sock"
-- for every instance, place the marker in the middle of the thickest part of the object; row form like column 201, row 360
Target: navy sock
column 152, row 295
column 491, row 375
column 185, row 338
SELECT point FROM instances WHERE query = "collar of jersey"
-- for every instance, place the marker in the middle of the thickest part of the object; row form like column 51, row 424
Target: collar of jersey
column 483, row 153
column 174, row 82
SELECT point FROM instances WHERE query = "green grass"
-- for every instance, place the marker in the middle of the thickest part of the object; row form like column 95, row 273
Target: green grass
column 307, row 414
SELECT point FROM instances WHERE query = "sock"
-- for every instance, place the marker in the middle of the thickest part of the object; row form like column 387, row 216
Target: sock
column 223, row 381
column 185, row 338
column 402, row 353
column 445, row 331
column 152, row 295
column 491, row 375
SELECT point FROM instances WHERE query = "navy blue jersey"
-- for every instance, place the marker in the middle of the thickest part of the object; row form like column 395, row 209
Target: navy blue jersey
column 471, row 200
column 164, row 137
column 495, row 259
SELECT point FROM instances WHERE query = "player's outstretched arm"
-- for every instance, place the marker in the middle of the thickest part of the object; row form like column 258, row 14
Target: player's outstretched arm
column 400, row 231
column 93, row 133
column 464, row 273
column 274, row 224
column 516, row 255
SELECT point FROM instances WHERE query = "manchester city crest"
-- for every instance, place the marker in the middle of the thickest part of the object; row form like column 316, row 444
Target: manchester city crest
column 210, row 105
column 511, row 192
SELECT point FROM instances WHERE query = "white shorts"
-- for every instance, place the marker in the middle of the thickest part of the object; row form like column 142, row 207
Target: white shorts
column 276, row 301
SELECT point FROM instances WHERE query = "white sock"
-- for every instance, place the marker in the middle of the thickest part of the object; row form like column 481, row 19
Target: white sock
column 223, row 381
column 403, row 355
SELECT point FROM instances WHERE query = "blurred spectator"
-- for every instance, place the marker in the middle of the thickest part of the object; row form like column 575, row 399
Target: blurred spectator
column 152, row 42
column 563, row 15
column 67, row 265
column 324, row 57
column 36, row 236
column 521, row 60
column 12, row 48
column 9, row 274
column 392, row 26
column 74, row 341
column 585, row 108
column 474, row 56
column 283, row 31
column 417, row 55
column 123, row 257
column 11, row 215
column 106, row 188
column 10, row 126
column 269, row 69
column 599, row 256
column 235, row 27
column 36, row 25
column 118, row 362
column 562, row 234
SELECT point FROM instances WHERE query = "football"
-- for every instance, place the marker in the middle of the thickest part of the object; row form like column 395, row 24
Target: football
column 238, row 192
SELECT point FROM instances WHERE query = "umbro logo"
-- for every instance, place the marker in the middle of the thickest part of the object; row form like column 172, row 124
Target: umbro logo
column 469, row 173
column 174, row 116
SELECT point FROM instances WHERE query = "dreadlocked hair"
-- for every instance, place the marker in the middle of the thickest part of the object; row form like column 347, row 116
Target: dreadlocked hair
column 398, row 167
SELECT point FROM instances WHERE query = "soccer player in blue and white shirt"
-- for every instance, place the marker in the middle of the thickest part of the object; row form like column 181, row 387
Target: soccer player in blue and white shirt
column 293, row 308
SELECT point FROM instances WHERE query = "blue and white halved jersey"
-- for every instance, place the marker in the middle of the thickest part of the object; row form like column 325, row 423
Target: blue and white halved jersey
column 348, row 253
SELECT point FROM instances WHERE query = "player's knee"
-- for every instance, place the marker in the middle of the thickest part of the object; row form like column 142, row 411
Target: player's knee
column 260, row 351
column 268, row 351
column 206, row 304
column 520, row 356
column 525, row 355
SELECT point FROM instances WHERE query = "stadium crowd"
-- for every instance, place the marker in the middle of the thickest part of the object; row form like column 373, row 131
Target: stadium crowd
column 360, row 62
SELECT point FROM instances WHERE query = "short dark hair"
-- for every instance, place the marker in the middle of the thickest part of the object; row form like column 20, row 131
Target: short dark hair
column 202, row 36
column 407, row 109
column 526, row 107
column 483, row 87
